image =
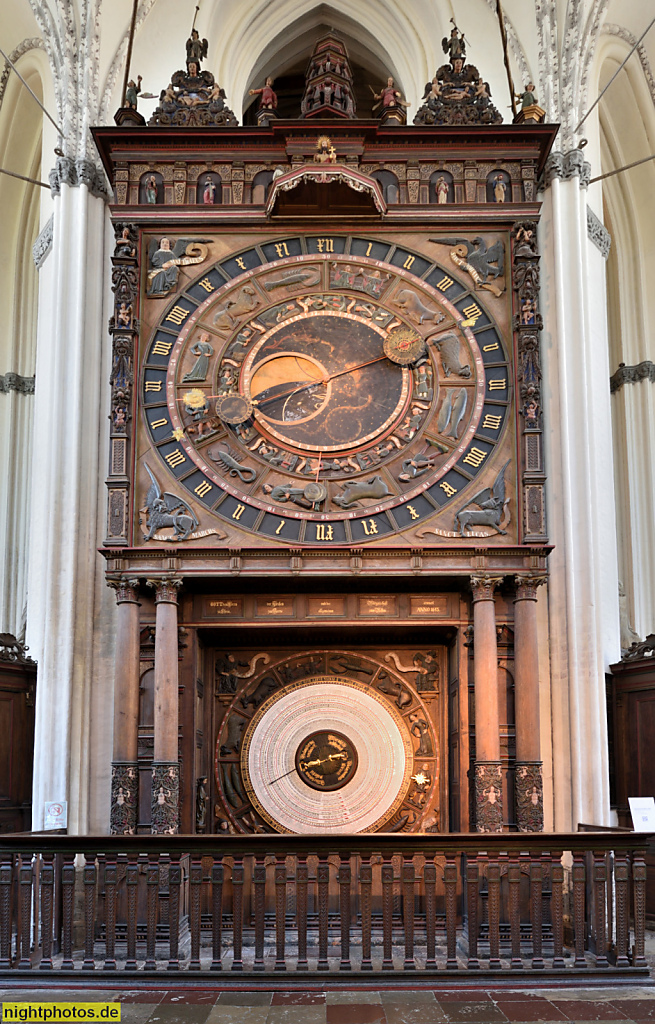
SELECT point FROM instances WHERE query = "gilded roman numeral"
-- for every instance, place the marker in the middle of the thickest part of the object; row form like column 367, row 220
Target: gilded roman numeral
column 177, row 315
column 492, row 422
column 162, row 348
column 475, row 457
column 175, row 458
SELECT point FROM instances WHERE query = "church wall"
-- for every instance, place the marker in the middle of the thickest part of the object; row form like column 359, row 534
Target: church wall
column 628, row 129
column 20, row 147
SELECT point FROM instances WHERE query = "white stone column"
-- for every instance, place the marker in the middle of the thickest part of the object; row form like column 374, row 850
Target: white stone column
column 583, row 611
column 70, row 613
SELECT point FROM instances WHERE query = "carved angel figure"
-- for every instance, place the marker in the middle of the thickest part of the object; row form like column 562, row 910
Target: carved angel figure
column 165, row 261
column 196, row 48
column 168, row 510
column 491, row 504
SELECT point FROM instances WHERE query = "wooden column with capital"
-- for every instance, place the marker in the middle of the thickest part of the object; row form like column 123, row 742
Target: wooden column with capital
column 124, row 768
column 488, row 779
column 528, row 779
column 166, row 765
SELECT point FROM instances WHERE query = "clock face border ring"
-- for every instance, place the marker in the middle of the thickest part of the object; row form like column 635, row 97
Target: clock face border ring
column 376, row 729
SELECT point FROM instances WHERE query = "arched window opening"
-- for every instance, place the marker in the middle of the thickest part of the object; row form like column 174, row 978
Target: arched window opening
column 389, row 184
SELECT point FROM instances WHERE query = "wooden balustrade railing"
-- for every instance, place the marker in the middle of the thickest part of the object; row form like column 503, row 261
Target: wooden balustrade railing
column 384, row 903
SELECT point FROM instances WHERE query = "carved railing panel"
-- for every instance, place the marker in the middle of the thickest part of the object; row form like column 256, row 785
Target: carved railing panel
column 385, row 903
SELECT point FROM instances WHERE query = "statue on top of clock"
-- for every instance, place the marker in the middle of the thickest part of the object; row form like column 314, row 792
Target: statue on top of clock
column 457, row 94
column 193, row 97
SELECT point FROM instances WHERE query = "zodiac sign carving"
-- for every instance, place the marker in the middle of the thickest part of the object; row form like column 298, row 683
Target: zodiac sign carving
column 491, row 504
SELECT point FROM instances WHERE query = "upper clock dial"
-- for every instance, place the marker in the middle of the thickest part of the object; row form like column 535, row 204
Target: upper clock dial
column 323, row 383
column 328, row 398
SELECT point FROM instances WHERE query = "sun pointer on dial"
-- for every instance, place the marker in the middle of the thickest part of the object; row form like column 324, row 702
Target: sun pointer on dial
column 234, row 408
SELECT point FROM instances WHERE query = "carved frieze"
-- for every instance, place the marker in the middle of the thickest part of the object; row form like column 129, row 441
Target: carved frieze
column 123, row 327
column 631, row 375
column 165, row 798
column 488, row 797
column 43, row 244
column 566, row 166
column 529, row 789
column 14, row 382
column 527, row 322
column 124, row 799
column 14, row 651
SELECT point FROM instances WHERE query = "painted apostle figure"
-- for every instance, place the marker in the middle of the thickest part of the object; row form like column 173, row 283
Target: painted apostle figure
column 209, row 192
column 500, row 188
column 389, row 96
column 268, row 98
column 441, row 189
column 133, row 89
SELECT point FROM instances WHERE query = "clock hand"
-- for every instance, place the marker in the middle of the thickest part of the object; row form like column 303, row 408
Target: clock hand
column 332, row 757
column 323, row 380
column 281, row 777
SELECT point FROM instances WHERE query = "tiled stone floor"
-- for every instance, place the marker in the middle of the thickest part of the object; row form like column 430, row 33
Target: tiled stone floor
column 202, row 1004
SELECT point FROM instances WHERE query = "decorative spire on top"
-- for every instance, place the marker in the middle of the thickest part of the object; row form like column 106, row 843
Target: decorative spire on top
column 193, row 97
column 328, row 88
column 457, row 94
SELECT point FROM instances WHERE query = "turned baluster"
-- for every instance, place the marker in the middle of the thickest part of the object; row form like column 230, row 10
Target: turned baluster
column 152, row 899
column 25, row 886
column 111, row 882
column 639, row 896
column 493, row 883
column 89, row 880
column 621, row 875
column 237, row 914
column 323, row 881
column 302, row 875
column 514, row 885
column 280, row 913
column 557, row 910
column 132, row 885
column 67, row 896
column 579, row 875
column 409, row 885
column 174, row 884
column 195, row 890
column 344, row 879
column 217, row 912
column 430, row 880
column 600, row 900
column 6, row 885
column 366, row 889
column 259, row 885
column 47, row 893
column 472, row 897
column 536, row 887
column 387, row 914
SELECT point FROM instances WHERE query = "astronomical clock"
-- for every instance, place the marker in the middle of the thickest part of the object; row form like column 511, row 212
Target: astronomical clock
column 330, row 390
column 325, row 422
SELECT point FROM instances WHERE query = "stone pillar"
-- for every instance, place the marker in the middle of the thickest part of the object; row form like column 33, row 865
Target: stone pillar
column 124, row 768
column 70, row 612
column 166, row 765
column 529, row 783
column 488, row 780
column 583, row 612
